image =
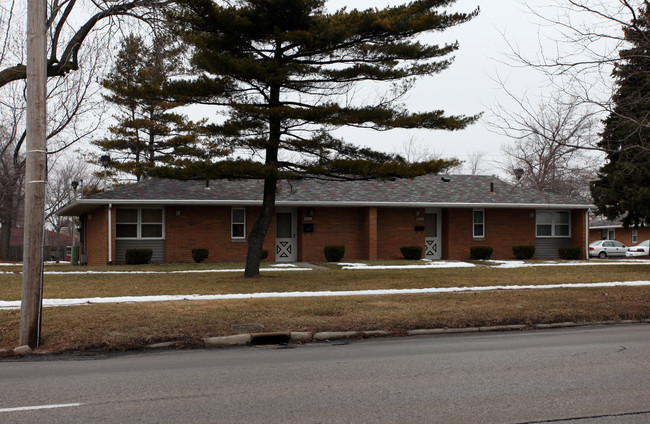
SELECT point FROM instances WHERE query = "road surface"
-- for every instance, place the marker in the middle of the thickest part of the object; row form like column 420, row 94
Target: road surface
column 580, row 375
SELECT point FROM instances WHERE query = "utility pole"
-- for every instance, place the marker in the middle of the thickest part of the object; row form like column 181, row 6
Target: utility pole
column 35, row 174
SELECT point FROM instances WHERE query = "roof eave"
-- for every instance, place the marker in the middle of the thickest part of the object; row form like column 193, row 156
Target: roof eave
column 82, row 206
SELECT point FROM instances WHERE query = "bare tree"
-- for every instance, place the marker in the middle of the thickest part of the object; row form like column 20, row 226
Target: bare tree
column 69, row 24
column 11, row 190
column 413, row 150
column 547, row 139
column 61, row 174
column 578, row 57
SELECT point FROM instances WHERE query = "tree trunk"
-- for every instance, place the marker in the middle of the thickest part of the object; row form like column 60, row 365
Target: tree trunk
column 258, row 233
column 5, row 236
column 261, row 226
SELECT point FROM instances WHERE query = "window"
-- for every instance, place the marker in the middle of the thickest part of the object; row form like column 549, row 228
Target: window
column 634, row 237
column 553, row 224
column 126, row 223
column 479, row 223
column 562, row 224
column 238, row 223
column 139, row 223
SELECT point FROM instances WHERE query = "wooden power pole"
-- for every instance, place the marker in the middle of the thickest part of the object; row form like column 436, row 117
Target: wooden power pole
column 35, row 173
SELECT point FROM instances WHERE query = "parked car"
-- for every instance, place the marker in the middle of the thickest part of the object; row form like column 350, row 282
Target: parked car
column 607, row 248
column 641, row 249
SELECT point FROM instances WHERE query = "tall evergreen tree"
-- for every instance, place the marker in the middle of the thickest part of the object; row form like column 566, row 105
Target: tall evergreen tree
column 623, row 184
column 148, row 131
column 286, row 74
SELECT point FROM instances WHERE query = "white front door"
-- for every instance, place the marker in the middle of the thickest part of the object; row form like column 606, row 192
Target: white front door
column 285, row 236
column 432, row 234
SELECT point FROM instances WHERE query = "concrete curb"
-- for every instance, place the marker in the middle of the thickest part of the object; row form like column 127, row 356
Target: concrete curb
column 306, row 336
column 223, row 341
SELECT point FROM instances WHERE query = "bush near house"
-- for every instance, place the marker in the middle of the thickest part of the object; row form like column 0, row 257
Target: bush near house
column 411, row 252
column 264, row 254
column 523, row 252
column 334, row 253
column 569, row 253
column 480, row 252
column 200, row 254
column 138, row 256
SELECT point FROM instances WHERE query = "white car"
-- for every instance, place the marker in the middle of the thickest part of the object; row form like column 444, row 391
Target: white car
column 607, row 248
column 641, row 249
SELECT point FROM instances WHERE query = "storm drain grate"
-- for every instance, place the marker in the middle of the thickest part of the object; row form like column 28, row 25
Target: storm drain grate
column 270, row 339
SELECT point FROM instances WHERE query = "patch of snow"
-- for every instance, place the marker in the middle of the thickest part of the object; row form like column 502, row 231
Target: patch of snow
column 167, row 298
column 522, row 264
column 428, row 265
column 283, row 266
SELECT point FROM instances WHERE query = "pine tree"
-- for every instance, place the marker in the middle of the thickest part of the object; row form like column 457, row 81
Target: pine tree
column 148, row 131
column 285, row 73
column 623, row 185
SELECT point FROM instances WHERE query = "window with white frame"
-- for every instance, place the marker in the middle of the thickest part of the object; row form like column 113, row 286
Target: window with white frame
column 634, row 237
column 478, row 223
column 238, row 223
column 139, row 223
column 553, row 224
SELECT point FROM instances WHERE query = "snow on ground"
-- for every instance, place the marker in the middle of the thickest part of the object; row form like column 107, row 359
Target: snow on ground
column 187, row 271
column 166, row 298
column 424, row 264
column 523, row 264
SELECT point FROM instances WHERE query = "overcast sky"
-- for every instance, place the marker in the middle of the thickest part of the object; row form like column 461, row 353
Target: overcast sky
column 468, row 86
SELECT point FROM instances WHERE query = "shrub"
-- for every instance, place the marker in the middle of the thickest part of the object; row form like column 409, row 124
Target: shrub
column 523, row 252
column 264, row 254
column 569, row 253
column 200, row 254
column 411, row 252
column 334, row 253
column 138, row 256
column 480, row 252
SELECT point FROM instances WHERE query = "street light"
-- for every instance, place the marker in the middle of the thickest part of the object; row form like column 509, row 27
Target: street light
column 105, row 160
column 519, row 172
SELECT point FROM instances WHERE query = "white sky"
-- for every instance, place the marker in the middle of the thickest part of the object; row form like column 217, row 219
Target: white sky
column 468, row 86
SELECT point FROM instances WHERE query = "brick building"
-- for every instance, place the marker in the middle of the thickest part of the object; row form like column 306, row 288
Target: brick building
column 372, row 219
column 614, row 230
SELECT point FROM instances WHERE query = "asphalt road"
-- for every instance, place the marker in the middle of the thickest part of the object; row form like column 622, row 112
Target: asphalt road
column 584, row 375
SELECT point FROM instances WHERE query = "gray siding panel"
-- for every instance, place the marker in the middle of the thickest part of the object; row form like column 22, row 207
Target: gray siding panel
column 546, row 248
column 158, row 247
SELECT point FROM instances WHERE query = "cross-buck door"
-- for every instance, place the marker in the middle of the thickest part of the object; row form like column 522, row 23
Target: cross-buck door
column 432, row 234
column 285, row 237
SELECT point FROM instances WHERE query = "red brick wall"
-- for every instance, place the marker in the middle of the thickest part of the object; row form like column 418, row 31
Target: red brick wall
column 396, row 228
column 333, row 226
column 208, row 227
column 504, row 228
column 97, row 234
column 578, row 229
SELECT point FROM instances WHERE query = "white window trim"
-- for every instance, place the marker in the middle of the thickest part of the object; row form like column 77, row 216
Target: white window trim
column 635, row 236
column 553, row 224
column 232, row 223
column 474, row 223
column 139, row 223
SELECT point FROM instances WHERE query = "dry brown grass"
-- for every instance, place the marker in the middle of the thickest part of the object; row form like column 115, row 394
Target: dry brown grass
column 128, row 326
column 102, row 285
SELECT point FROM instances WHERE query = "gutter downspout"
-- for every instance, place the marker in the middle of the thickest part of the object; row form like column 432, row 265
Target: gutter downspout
column 110, row 227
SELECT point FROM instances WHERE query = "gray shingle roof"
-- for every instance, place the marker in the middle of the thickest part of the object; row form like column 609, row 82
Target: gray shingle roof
column 428, row 190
